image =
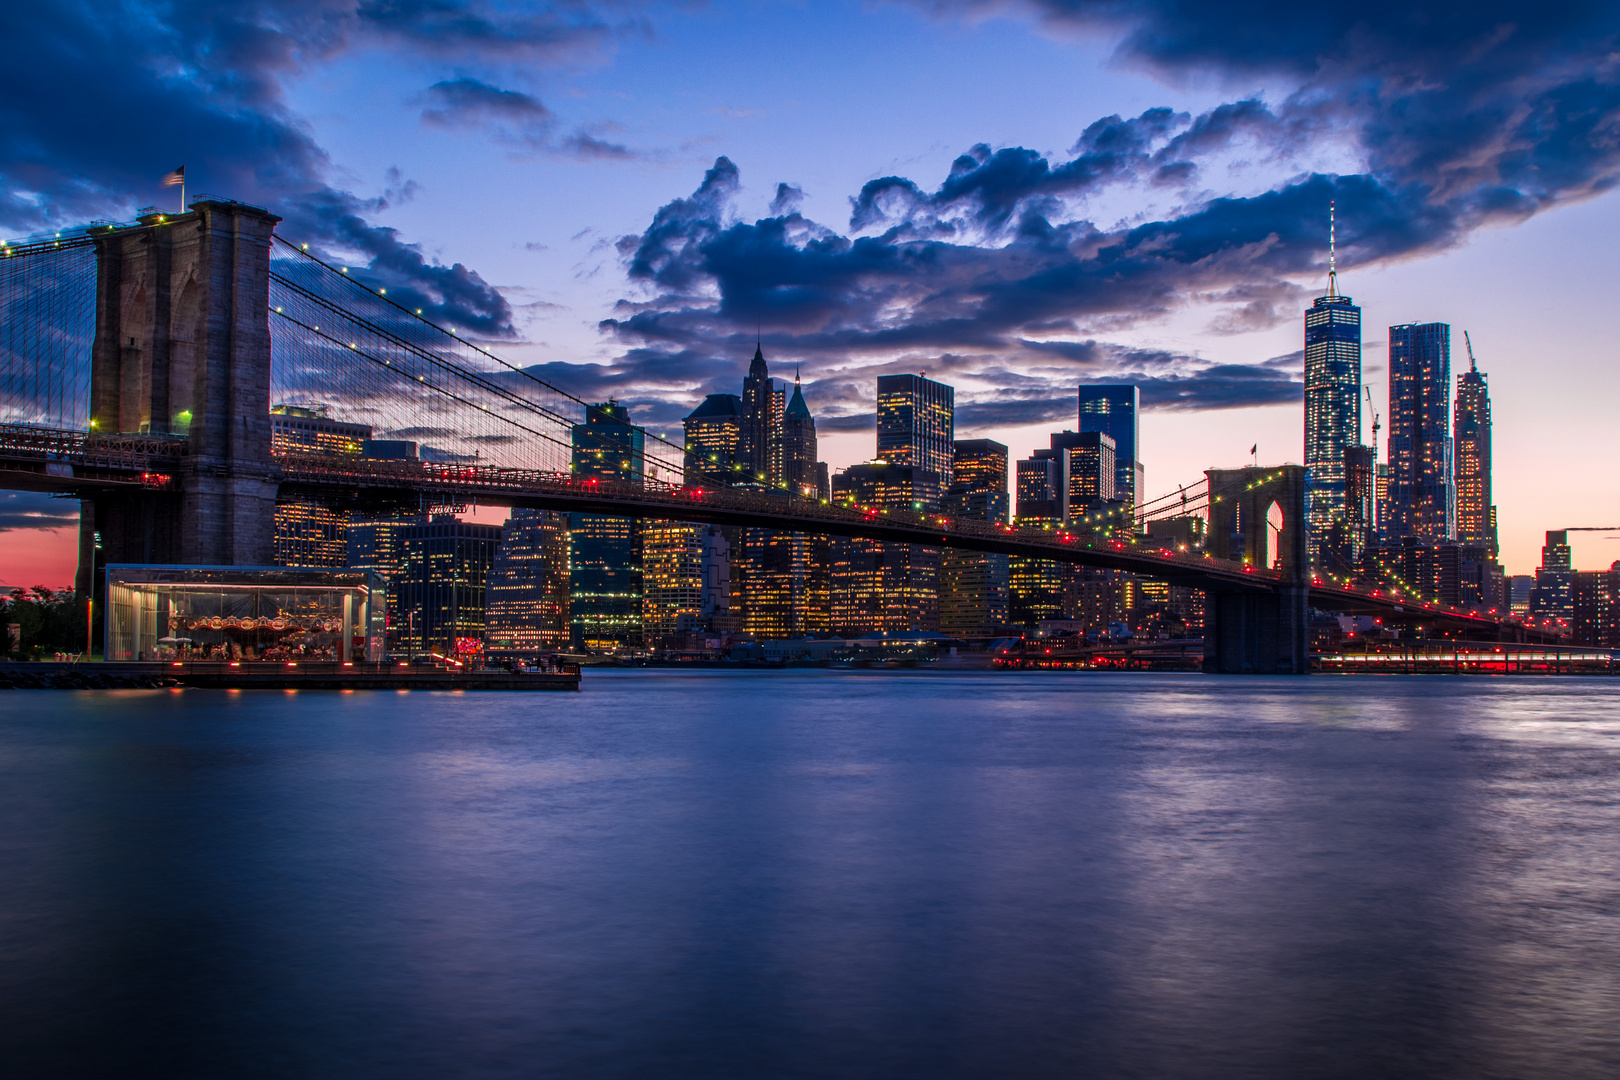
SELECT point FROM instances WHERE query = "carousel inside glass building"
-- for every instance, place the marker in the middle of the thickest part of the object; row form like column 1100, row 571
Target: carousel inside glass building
column 240, row 613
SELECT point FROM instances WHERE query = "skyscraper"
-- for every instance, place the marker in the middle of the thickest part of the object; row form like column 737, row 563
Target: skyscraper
column 605, row 553
column 1041, row 488
column 1550, row 598
column 1422, row 503
column 916, row 424
column 714, row 441
column 1471, row 434
column 799, row 445
column 1092, row 471
column 978, row 481
column 526, row 610
column 880, row 585
column 760, row 447
column 672, row 578
column 306, row 533
column 1114, row 409
column 1332, row 398
column 378, row 545
column 444, row 583
column 973, row 584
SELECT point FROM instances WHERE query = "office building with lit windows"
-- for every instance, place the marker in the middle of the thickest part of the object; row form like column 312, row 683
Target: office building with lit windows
column 799, row 446
column 877, row 585
column 526, row 610
column 1550, row 599
column 307, row 429
column 763, row 403
column 1114, row 409
column 973, row 584
column 714, row 440
column 1091, row 460
column 1422, row 503
column 305, row 533
column 1041, row 488
column 605, row 553
column 443, row 584
column 672, row 579
column 1471, row 443
column 916, row 424
column 1332, row 405
column 378, row 545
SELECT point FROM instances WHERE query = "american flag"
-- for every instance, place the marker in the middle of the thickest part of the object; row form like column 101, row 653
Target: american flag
column 176, row 178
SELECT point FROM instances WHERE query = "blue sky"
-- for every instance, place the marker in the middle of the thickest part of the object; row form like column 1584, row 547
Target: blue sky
column 1147, row 198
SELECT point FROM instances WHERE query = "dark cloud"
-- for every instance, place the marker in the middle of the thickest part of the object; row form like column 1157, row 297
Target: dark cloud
column 454, row 103
column 1458, row 118
column 99, row 100
column 513, row 118
column 29, row 510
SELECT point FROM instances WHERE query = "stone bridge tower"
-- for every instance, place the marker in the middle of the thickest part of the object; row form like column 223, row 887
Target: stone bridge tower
column 182, row 349
column 1257, row 516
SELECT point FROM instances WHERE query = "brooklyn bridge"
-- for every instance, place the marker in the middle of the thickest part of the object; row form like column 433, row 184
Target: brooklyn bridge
column 139, row 363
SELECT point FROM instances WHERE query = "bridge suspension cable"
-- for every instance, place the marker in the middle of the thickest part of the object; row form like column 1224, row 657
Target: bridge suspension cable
column 419, row 356
column 47, row 327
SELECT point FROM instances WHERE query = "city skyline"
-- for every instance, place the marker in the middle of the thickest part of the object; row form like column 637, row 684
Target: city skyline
column 601, row 278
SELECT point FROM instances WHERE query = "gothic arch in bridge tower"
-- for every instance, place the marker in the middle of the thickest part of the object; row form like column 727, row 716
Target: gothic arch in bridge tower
column 1257, row 517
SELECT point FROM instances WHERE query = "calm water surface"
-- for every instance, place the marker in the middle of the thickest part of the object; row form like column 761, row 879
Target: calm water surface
column 817, row 875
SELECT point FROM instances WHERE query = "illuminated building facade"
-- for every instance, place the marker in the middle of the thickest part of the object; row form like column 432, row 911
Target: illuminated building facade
column 799, row 446
column 877, row 586
column 526, row 610
column 760, row 447
column 1114, row 410
column 1422, row 503
column 1471, row 438
column 1041, row 485
column 916, row 424
column 1595, row 608
column 973, row 584
column 306, row 429
column 1035, row 590
column 443, row 584
column 306, row 533
column 1550, row 598
column 1411, row 568
column 1035, row 586
column 714, row 441
column 672, row 579
column 787, row 578
column 1332, row 405
column 978, row 487
column 1339, row 552
column 378, row 545
column 1091, row 471
column 605, row 553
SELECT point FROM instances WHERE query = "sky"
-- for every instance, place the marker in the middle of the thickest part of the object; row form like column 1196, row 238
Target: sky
column 1014, row 197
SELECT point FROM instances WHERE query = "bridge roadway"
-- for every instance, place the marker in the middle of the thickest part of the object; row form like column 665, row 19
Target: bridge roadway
column 72, row 463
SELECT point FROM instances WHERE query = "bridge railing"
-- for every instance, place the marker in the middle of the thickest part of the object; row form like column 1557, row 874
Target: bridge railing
column 797, row 513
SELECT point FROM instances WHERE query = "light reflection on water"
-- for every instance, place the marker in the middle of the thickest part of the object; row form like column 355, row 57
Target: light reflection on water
column 819, row 874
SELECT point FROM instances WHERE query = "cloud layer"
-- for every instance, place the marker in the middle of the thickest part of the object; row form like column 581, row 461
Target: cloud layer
column 999, row 277
column 98, row 100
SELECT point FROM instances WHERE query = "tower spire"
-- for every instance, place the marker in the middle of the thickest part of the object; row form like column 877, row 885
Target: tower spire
column 1333, row 257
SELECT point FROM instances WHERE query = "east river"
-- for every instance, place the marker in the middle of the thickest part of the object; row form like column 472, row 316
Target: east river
column 817, row 875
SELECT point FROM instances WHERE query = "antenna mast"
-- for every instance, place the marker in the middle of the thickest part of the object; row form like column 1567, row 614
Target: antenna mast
column 1333, row 260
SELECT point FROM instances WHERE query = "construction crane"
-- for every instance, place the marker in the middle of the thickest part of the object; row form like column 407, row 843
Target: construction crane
column 1374, row 411
column 1471, row 365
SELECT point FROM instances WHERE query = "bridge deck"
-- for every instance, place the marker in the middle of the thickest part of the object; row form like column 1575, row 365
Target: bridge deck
column 78, row 463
